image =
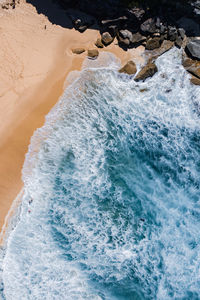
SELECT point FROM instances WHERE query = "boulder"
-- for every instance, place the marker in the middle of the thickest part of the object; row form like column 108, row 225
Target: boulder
column 172, row 33
column 93, row 53
column 181, row 33
column 99, row 43
column 124, row 37
column 129, row 68
column 193, row 49
column 153, row 43
column 138, row 38
column 192, row 66
column 179, row 42
column 148, row 27
column 147, row 71
column 107, row 38
column 78, row 50
column 165, row 46
column 195, row 80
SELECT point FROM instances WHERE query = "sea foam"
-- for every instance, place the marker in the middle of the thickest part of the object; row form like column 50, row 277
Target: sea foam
column 111, row 199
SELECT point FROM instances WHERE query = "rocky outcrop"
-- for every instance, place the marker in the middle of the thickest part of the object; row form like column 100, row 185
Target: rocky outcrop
column 193, row 49
column 147, row 71
column 129, row 68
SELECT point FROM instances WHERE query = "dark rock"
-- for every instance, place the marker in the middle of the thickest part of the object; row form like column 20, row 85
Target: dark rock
column 129, row 68
column 163, row 28
column 181, row 33
column 172, row 33
column 137, row 38
column 107, row 38
column 153, row 43
column 124, row 37
column 147, row 71
column 78, row 50
column 118, row 22
column 193, row 49
column 195, row 80
column 79, row 27
column 192, row 66
column 80, row 20
column 179, row 42
column 191, row 27
column 99, row 43
column 93, row 53
column 148, row 26
column 112, row 29
column 137, row 13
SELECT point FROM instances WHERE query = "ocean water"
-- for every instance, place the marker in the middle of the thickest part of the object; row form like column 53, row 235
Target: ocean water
column 111, row 205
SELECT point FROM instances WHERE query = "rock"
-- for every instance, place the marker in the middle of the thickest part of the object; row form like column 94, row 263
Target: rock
column 191, row 27
column 78, row 50
column 147, row 71
column 99, row 43
column 181, row 33
column 153, row 43
column 80, row 20
column 144, row 90
column 163, row 28
column 137, row 38
column 107, row 38
column 93, row 53
column 195, row 80
column 166, row 46
column 192, row 66
column 138, row 13
column 179, row 42
column 148, row 26
column 172, row 33
column 118, row 21
column 129, row 68
column 193, row 49
column 124, row 37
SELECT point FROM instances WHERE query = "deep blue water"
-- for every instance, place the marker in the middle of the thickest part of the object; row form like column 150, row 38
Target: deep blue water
column 112, row 187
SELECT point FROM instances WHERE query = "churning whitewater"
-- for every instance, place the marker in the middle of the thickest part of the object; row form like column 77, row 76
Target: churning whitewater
column 111, row 205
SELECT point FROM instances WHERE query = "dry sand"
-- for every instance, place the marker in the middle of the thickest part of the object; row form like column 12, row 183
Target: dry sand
column 35, row 58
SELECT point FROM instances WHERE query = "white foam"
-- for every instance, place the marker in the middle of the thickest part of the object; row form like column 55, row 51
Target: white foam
column 83, row 231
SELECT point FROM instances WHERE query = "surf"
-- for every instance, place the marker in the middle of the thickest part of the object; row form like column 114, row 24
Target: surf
column 111, row 191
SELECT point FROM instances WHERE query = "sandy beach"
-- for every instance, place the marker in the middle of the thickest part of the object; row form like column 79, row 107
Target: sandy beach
column 35, row 58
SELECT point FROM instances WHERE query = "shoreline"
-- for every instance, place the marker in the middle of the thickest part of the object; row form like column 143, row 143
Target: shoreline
column 33, row 74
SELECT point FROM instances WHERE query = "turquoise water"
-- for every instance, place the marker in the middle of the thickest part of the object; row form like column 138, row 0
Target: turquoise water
column 111, row 206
